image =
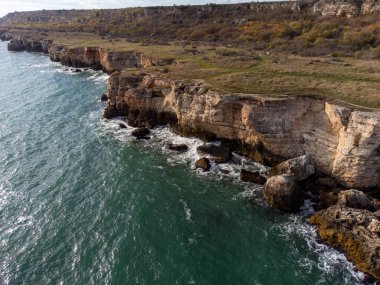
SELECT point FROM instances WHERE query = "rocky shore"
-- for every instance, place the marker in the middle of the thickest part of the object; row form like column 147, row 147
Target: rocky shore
column 318, row 149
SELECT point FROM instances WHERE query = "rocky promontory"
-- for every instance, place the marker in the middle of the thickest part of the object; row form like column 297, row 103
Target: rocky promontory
column 82, row 56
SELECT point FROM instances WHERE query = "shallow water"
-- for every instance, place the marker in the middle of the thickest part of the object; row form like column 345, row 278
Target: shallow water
column 83, row 203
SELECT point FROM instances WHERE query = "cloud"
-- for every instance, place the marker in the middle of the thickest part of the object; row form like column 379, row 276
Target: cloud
column 8, row 6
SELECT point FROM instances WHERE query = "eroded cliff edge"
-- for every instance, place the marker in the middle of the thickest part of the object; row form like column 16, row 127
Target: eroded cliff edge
column 82, row 56
column 344, row 143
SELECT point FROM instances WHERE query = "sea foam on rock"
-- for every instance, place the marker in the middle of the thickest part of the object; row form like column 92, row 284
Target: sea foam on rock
column 355, row 231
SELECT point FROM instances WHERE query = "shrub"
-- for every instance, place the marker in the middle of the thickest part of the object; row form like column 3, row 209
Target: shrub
column 376, row 53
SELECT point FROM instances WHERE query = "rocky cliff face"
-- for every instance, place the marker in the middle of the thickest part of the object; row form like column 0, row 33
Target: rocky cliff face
column 344, row 144
column 92, row 57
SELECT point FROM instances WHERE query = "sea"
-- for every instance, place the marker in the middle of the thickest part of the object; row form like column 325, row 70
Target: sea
column 82, row 202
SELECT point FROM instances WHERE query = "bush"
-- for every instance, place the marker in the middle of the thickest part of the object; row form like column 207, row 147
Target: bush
column 376, row 53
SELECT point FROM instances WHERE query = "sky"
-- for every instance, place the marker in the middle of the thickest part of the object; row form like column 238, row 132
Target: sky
column 7, row 6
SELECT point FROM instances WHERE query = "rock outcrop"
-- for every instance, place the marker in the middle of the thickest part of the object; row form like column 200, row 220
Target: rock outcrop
column 355, row 199
column 355, row 231
column 252, row 177
column 18, row 43
column 92, row 57
column 218, row 153
column 177, row 147
column 103, row 59
column 344, row 143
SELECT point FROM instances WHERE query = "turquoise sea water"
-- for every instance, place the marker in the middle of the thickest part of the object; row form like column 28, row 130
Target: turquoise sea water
column 83, row 203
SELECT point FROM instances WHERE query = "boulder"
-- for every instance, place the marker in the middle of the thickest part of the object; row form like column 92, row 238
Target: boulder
column 122, row 126
column 140, row 133
column 218, row 153
column 177, row 147
column 203, row 163
column 253, row 177
column 300, row 168
column 355, row 199
column 283, row 193
column 104, row 97
column 354, row 231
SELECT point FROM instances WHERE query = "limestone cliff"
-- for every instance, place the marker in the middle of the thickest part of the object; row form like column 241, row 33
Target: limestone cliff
column 344, row 143
column 92, row 57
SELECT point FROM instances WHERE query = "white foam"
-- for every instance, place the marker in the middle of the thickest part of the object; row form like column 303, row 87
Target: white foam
column 161, row 136
column 186, row 209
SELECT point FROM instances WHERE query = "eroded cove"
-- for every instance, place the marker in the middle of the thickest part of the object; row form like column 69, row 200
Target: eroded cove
column 83, row 202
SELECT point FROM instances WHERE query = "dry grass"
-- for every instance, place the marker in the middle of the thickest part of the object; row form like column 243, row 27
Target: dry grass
column 356, row 81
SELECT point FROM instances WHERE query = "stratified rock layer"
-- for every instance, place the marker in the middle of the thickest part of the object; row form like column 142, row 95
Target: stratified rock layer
column 343, row 143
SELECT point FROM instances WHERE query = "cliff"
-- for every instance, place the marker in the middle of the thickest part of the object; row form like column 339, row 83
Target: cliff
column 91, row 57
column 232, row 13
column 344, row 143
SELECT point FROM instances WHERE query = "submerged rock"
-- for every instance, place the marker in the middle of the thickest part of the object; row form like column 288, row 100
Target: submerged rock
column 122, row 126
column 355, row 231
column 140, row 133
column 177, row 147
column 104, row 97
column 253, row 177
column 203, row 163
column 218, row 153
column 283, row 193
column 300, row 168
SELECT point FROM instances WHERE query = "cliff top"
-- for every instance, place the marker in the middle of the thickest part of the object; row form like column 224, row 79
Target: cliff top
column 310, row 48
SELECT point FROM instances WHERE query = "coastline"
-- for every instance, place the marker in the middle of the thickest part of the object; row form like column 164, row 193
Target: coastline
column 163, row 101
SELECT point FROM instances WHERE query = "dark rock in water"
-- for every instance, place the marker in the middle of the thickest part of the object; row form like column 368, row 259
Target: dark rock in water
column 300, row 168
column 177, row 147
column 253, row 177
column 122, row 126
column 218, row 153
column 355, row 199
column 77, row 70
column 355, row 231
column 140, row 133
column 203, row 163
column 224, row 171
column 110, row 111
column 104, row 97
column 283, row 193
